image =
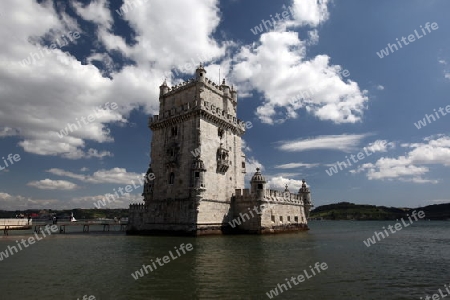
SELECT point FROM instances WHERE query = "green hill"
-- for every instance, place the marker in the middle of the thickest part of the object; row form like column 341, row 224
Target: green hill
column 351, row 211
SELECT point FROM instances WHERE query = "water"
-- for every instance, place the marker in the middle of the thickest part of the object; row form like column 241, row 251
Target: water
column 405, row 265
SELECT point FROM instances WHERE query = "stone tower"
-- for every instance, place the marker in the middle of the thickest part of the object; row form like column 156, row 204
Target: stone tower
column 196, row 175
column 196, row 159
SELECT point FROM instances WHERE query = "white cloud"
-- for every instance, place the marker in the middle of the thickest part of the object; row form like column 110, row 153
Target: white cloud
column 12, row 202
column 97, row 11
column 61, row 172
column 48, row 184
column 414, row 164
column 380, row 146
column 246, row 147
column 156, row 20
column 309, row 12
column 439, row 201
column 344, row 142
column 279, row 183
column 313, row 36
column 286, row 174
column 296, row 165
column 446, row 70
column 250, row 167
column 118, row 202
column 114, row 175
column 419, row 180
column 47, row 94
column 7, row 131
column 252, row 164
column 277, row 68
column 380, row 88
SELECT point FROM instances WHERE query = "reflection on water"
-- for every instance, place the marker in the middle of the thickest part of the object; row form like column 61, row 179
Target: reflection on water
column 406, row 265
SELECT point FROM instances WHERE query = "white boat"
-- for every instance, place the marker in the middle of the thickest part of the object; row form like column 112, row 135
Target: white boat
column 72, row 218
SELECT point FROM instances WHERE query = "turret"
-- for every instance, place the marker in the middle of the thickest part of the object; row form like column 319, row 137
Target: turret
column 233, row 95
column 197, row 176
column 225, row 89
column 148, row 184
column 286, row 193
column 163, row 89
column 200, row 73
column 258, row 184
column 305, row 194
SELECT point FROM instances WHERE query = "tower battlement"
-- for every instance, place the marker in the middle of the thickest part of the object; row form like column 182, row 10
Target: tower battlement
column 222, row 90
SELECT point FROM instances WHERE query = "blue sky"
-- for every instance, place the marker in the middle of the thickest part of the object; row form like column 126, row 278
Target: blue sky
column 60, row 60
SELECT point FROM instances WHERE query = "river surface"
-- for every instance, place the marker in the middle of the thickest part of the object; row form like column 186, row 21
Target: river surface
column 406, row 265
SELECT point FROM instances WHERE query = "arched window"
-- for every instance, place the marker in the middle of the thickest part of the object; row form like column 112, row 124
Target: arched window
column 171, row 178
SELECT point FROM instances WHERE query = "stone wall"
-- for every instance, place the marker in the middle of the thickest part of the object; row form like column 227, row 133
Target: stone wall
column 244, row 211
column 176, row 216
column 277, row 211
column 213, row 216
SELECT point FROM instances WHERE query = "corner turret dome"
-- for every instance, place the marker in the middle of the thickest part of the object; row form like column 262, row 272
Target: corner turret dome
column 304, row 188
column 257, row 177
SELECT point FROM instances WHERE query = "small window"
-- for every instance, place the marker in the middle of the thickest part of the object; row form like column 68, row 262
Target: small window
column 273, row 218
column 171, row 178
column 281, row 219
column 260, row 186
column 243, row 164
column 289, row 218
column 197, row 174
column 296, row 219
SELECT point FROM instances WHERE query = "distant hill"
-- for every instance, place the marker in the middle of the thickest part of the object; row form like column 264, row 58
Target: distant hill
column 351, row 211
